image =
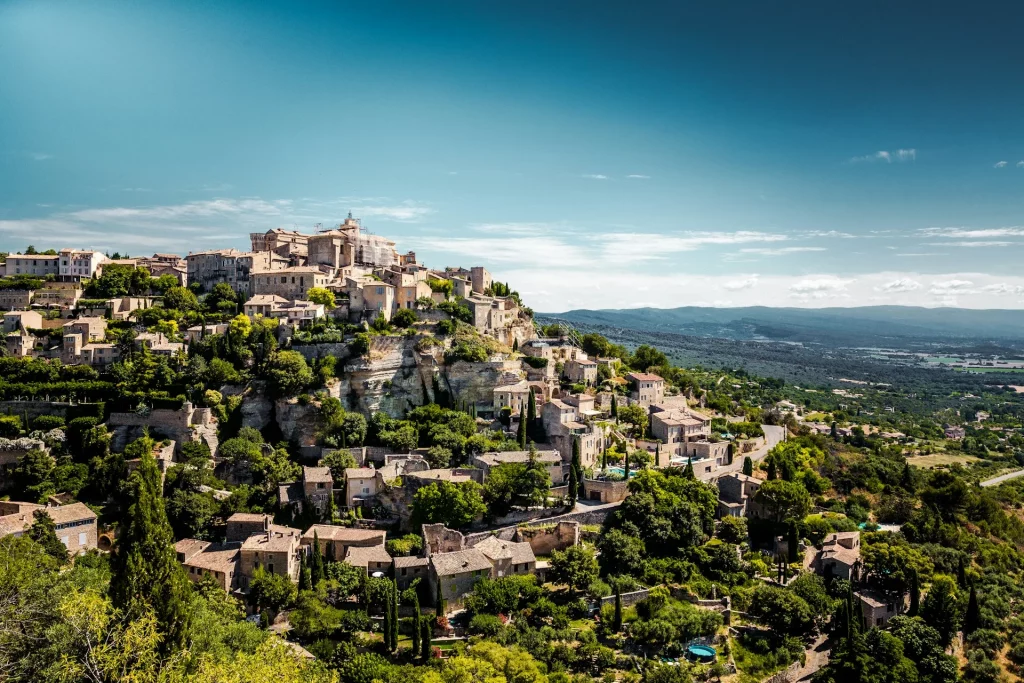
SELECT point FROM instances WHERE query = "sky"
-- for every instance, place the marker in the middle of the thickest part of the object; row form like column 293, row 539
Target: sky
column 592, row 154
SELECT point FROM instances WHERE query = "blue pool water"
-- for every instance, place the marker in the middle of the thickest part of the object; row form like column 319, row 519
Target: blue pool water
column 619, row 471
column 702, row 653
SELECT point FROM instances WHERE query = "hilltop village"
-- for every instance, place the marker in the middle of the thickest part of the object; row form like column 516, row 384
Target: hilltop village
column 323, row 460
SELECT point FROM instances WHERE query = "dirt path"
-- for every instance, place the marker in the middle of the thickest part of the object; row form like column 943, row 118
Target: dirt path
column 816, row 657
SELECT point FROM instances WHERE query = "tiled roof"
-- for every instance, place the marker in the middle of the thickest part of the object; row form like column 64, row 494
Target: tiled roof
column 361, row 556
column 494, row 459
column 439, row 475
column 460, row 562
column 278, row 539
column 343, row 534
column 405, row 562
column 360, row 473
column 495, row 548
column 217, row 557
column 247, row 517
column 645, row 377
column 317, row 474
column 70, row 513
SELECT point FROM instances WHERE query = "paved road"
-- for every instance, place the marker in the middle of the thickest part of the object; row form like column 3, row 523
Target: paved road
column 996, row 481
column 815, row 658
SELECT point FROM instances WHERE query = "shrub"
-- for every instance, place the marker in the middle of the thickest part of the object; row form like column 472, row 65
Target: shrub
column 10, row 426
column 486, row 625
column 404, row 317
column 45, row 423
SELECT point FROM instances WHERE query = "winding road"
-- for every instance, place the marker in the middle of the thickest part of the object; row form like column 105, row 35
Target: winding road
column 996, row 481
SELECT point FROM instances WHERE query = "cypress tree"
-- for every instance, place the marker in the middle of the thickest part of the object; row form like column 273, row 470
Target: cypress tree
column 907, row 479
column 748, row 466
column 316, row 562
column 625, row 467
column 515, row 344
column 835, row 431
column 657, row 455
column 615, row 409
column 521, row 433
column 394, row 616
column 577, row 466
column 427, row 633
column 386, row 629
column 915, row 593
column 439, row 601
column 961, row 573
column 305, row 580
column 531, row 416
column 573, row 485
column 688, row 470
column 416, row 624
column 973, row 614
column 772, row 473
column 617, row 625
column 146, row 575
column 792, row 541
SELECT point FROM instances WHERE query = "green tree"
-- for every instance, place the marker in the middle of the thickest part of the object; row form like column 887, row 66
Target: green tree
column 782, row 611
column 404, row 317
column 270, row 592
column 617, row 623
column 321, row 295
column 972, row 616
column 614, row 409
column 427, row 633
column 43, row 532
column 521, row 433
column 515, row 485
column 941, row 608
column 915, row 593
column 288, row 373
column 180, row 299
column 531, row 416
column 146, row 573
column 316, row 561
column 576, row 567
column 455, row 505
column 783, row 499
column 748, row 466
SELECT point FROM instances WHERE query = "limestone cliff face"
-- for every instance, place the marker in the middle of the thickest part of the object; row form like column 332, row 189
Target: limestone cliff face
column 298, row 422
column 390, row 378
column 475, row 382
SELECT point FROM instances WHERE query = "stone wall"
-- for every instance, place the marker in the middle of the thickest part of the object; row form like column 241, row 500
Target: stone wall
column 544, row 539
column 34, row 409
column 605, row 491
column 628, row 599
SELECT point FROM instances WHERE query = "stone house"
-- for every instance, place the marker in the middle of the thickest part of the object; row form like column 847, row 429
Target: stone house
column 551, row 460
column 360, row 485
column 453, row 575
column 604, row 491
column 336, row 541
column 736, row 495
column 840, row 556
column 572, row 419
column 373, row 559
column 646, row 388
column 242, row 525
column 291, row 283
column 878, row 608
column 275, row 549
column 507, row 558
column 74, row 524
column 408, row 569
column 289, row 244
column 21, row 321
column 230, row 266
column 91, row 329
column 294, row 313
column 317, row 487
column 15, row 299
column 203, row 558
column 516, row 396
column 954, row 433
column 581, row 370
column 679, row 430
column 33, row 264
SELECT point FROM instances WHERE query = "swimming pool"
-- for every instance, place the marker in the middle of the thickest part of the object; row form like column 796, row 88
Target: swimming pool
column 702, row 653
column 621, row 472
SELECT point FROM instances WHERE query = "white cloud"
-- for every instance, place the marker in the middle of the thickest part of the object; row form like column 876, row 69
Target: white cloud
column 904, row 284
column 767, row 251
column 40, row 156
column 1002, row 288
column 971, row 244
column 738, row 285
column 518, row 228
column 595, row 176
column 1000, row 164
column 403, row 213
column 1020, row 164
column 899, row 155
column 948, row 287
column 973, row 233
column 633, row 246
column 819, row 288
column 638, row 176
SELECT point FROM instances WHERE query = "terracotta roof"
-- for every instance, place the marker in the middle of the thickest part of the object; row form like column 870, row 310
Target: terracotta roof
column 495, row 548
column 361, row 556
column 74, row 512
column 840, row 554
column 317, row 474
column 411, row 561
column 460, row 562
column 278, row 539
column 217, row 557
column 645, row 377
column 247, row 517
column 289, row 493
column 360, row 473
column 343, row 534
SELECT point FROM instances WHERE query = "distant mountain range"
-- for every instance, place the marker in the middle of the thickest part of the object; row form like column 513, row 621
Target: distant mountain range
column 879, row 326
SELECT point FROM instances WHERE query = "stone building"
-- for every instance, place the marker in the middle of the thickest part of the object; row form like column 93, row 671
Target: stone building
column 79, row 264
column 204, row 558
column 360, row 485
column 15, row 299
column 276, row 549
column 230, row 266
column 515, row 396
column 646, row 388
column 40, row 265
column 290, row 283
column 335, row 541
column 878, row 608
column 581, row 370
column 551, row 460
column 736, row 495
column 74, row 524
column 679, row 430
column 839, row 556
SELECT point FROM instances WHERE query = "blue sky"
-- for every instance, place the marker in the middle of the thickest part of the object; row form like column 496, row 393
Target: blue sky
column 593, row 154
